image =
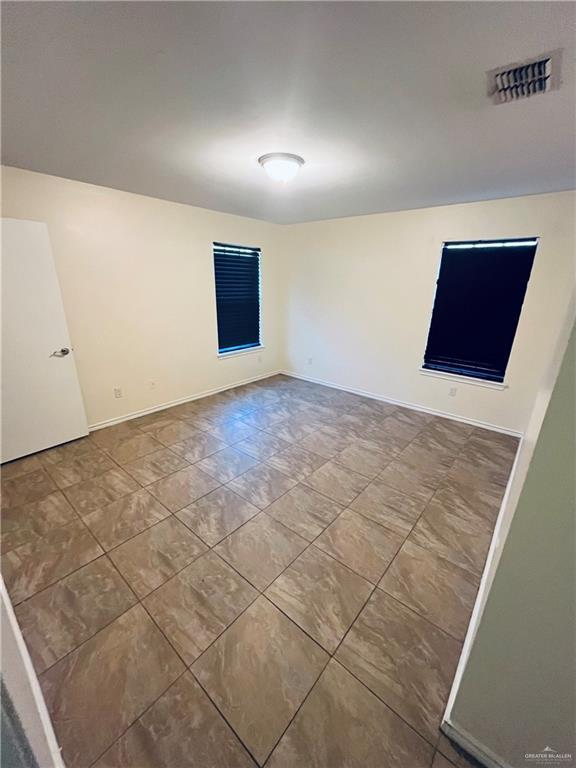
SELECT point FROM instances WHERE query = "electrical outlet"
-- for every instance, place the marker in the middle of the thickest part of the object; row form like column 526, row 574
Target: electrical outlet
column 259, row 358
column 309, row 361
column 452, row 392
column 152, row 384
column 117, row 392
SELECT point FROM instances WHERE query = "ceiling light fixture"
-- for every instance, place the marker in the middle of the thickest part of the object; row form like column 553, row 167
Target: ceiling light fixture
column 281, row 166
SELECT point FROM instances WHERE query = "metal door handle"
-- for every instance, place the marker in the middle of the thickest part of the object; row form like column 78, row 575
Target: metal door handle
column 61, row 352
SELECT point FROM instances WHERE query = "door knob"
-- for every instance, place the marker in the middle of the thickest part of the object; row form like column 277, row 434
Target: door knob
column 61, row 352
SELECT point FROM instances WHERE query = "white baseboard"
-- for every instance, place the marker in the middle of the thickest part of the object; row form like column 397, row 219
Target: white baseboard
column 404, row 404
column 468, row 743
column 364, row 393
column 24, row 689
column 179, row 401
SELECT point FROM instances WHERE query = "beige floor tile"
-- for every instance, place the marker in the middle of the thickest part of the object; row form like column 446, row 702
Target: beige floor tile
column 36, row 565
column 153, row 556
column 19, row 467
column 373, row 407
column 326, row 442
column 198, row 446
column 262, row 445
column 366, row 458
column 171, row 432
column 232, row 431
column 370, row 410
column 403, row 659
column 295, row 428
column 199, row 421
column 337, row 482
column 73, row 450
column 183, row 729
column 267, row 417
column 124, row 518
column 26, row 488
column 481, row 474
column 73, row 471
column 487, row 450
column 386, row 441
column 95, row 692
column 321, row 595
column 509, row 443
column 30, row 522
column 461, row 541
column 304, row 511
column 343, row 725
column 100, row 491
column 110, row 437
column 469, row 475
column 155, row 466
column 197, row 605
column 477, row 503
column 261, row 654
column 358, row 426
column 399, row 426
column 261, row 549
column 133, row 447
column 433, row 587
column 151, row 422
column 182, row 488
column 364, row 546
column 434, row 460
column 444, row 435
column 424, row 494
column 262, row 485
column 215, row 516
column 418, row 481
column 394, row 510
column 227, row 464
column 61, row 617
column 296, row 462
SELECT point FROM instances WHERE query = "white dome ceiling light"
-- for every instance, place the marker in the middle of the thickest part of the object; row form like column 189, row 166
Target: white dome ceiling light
column 281, row 166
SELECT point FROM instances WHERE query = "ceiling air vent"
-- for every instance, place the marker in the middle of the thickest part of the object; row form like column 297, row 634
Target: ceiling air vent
column 524, row 79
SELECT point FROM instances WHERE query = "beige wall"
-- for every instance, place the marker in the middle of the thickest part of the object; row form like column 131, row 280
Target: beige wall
column 354, row 295
column 138, row 288
column 360, row 291
column 516, row 693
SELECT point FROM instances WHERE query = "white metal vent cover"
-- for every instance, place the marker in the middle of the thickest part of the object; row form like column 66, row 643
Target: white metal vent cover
column 523, row 79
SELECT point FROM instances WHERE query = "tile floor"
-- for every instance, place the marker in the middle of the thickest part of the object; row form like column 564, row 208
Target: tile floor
column 279, row 574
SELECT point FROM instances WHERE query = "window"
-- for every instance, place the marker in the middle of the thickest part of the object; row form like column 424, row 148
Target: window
column 237, row 277
column 479, row 295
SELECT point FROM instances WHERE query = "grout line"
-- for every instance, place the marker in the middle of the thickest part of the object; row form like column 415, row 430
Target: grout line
column 312, row 687
column 259, row 593
column 222, row 715
column 421, row 616
column 139, row 717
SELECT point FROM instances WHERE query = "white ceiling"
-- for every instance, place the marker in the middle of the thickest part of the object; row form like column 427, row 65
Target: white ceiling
column 385, row 101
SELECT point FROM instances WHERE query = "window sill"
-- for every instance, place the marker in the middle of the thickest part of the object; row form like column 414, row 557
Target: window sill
column 237, row 352
column 464, row 379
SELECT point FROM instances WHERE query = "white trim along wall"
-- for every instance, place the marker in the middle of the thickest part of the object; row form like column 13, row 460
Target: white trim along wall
column 451, row 725
column 345, row 302
column 24, row 689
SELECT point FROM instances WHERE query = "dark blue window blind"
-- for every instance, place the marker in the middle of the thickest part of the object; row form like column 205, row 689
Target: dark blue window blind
column 479, row 296
column 237, row 276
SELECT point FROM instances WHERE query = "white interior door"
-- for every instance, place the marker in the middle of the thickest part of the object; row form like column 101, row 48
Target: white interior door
column 41, row 400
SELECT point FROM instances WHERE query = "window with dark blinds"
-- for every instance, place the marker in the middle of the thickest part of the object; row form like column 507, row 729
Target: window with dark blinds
column 237, row 277
column 479, row 296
